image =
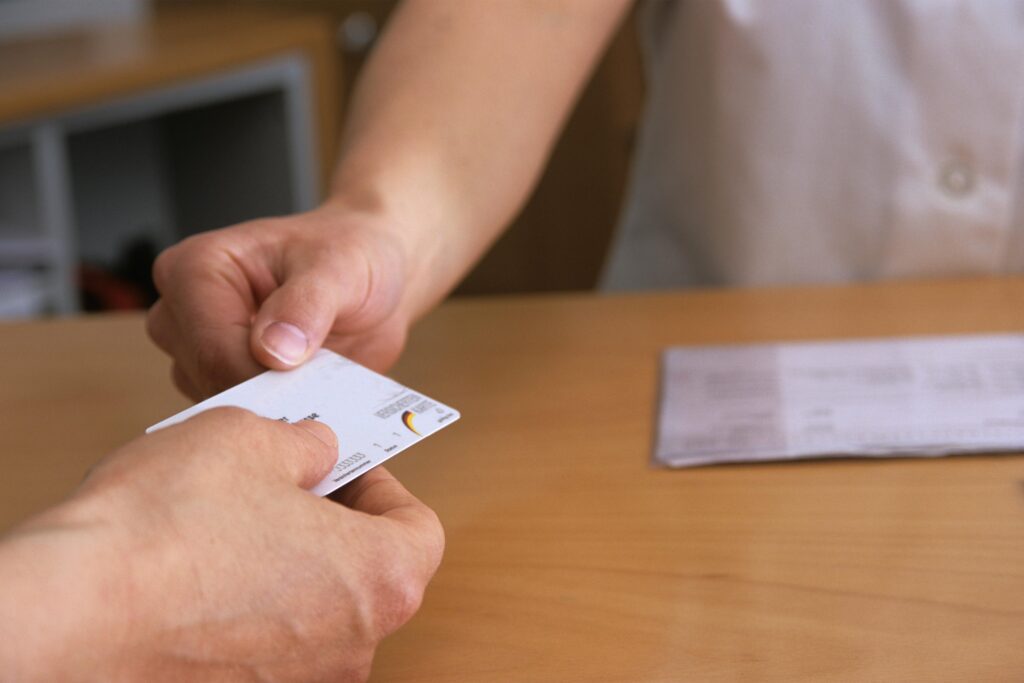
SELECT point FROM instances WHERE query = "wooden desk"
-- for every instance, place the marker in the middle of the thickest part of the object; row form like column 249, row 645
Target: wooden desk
column 569, row 558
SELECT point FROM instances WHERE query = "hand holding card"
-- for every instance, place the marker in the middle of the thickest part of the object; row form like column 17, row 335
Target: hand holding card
column 374, row 418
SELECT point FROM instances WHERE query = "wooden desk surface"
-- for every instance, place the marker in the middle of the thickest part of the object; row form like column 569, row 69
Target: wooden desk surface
column 569, row 558
column 41, row 76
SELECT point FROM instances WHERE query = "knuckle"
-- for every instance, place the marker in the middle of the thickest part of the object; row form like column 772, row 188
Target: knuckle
column 163, row 267
column 156, row 326
column 196, row 244
column 309, row 445
column 321, row 438
column 188, row 255
column 231, row 417
column 325, row 456
column 360, row 671
column 436, row 540
column 354, row 667
column 231, row 428
column 402, row 598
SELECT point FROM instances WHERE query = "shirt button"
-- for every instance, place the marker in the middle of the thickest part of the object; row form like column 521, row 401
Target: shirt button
column 956, row 178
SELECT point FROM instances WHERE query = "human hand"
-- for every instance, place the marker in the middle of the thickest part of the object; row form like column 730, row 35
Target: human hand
column 195, row 554
column 268, row 293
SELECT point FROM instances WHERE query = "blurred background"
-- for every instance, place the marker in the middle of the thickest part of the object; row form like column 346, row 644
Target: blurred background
column 127, row 125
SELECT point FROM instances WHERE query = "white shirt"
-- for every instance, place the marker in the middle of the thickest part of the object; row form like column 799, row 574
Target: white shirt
column 791, row 141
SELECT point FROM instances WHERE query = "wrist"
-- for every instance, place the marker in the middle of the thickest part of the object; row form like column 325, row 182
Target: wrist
column 408, row 240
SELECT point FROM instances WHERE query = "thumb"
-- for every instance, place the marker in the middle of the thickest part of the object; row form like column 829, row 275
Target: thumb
column 294, row 320
column 302, row 453
column 322, row 445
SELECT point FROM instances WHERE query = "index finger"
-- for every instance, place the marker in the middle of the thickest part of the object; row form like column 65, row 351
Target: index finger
column 207, row 321
column 378, row 493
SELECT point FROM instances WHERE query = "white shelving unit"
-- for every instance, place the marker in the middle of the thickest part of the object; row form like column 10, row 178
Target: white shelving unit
column 167, row 162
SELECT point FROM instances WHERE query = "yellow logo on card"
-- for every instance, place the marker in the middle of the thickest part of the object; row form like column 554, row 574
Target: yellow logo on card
column 407, row 417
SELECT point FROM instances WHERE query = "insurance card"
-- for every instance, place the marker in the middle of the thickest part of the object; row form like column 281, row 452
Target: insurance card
column 374, row 418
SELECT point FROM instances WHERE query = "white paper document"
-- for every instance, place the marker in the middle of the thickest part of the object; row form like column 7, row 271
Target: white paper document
column 923, row 396
column 374, row 418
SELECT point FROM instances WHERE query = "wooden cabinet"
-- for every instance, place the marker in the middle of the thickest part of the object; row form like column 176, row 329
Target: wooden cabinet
column 190, row 120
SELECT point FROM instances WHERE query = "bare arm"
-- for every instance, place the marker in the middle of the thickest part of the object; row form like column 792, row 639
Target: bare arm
column 455, row 116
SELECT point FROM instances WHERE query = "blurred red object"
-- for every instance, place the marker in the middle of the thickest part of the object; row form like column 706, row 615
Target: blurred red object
column 103, row 291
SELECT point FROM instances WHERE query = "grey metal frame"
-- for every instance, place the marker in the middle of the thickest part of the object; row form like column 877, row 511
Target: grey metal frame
column 288, row 74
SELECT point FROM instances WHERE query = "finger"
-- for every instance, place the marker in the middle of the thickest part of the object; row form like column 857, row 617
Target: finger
column 325, row 464
column 378, row 493
column 301, row 454
column 294, row 320
column 185, row 384
column 210, row 327
column 160, row 326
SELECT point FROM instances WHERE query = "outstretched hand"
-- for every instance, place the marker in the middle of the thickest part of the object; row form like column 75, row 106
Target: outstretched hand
column 269, row 293
column 195, row 553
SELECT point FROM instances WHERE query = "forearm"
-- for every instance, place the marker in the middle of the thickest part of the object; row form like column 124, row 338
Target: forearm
column 61, row 607
column 454, row 117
